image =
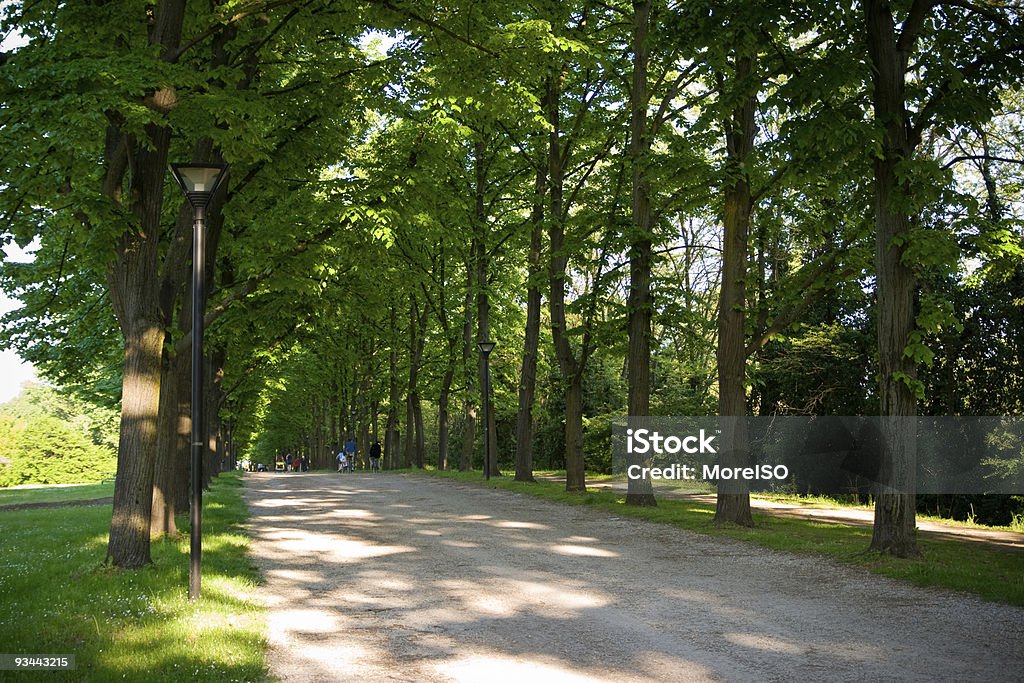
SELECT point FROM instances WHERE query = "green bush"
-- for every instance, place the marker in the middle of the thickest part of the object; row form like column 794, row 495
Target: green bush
column 51, row 452
column 48, row 438
column 597, row 442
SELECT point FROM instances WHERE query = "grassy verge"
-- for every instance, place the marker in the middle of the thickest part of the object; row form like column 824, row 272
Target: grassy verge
column 848, row 502
column 56, row 494
column 58, row 598
column 993, row 574
column 810, row 501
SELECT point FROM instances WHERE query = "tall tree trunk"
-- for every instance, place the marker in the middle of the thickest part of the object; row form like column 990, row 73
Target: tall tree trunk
column 442, row 416
column 374, row 418
column 575, row 473
column 409, row 445
column 895, row 502
column 451, row 359
column 165, row 477
column 414, row 440
column 213, row 398
column 640, row 491
column 469, row 405
column 134, row 173
column 481, row 262
column 135, row 297
column 229, row 444
column 571, row 372
column 170, row 485
column 391, row 434
column 183, row 430
column 417, row 424
column 733, row 499
column 170, row 475
column 531, row 337
column 334, row 411
column 320, row 417
column 368, row 351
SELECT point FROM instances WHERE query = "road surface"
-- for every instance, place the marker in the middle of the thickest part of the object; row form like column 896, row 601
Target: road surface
column 384, row 577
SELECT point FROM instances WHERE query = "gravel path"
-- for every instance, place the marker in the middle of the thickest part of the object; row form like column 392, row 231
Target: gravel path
column 401, row 578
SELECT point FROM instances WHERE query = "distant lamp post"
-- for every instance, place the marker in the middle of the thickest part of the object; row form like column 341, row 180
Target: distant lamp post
column 485, row 348
column 199, row 182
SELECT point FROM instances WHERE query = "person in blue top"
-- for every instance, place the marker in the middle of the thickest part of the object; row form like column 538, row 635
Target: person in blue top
column 350, row 451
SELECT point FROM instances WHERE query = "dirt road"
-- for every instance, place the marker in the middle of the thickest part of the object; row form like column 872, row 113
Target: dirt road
column 401, row 578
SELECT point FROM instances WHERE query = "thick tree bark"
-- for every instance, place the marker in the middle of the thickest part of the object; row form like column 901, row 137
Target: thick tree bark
column 733, row 499
column 165, row 477
column 128, row 546
column 640, row 492
column 895, row 502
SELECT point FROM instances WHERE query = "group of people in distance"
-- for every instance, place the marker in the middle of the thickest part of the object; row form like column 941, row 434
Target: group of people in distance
column 286, row 462
column 347, row 456
column 291, row 463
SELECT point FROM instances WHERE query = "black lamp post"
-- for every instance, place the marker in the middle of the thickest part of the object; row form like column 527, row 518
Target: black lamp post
column 199, row 182
column 485, row 348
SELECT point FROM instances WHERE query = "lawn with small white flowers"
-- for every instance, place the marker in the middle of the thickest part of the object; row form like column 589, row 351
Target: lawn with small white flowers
column 58, row 598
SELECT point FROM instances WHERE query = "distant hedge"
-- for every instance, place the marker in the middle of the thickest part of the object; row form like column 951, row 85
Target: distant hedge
column 51, row 438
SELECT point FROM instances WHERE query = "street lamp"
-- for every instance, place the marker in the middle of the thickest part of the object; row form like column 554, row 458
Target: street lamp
column 485, row 348
column 199, row 182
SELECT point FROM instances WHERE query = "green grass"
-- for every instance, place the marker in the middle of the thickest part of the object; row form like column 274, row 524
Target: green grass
column 59, row 598
column 993, row 574
column 56, row 494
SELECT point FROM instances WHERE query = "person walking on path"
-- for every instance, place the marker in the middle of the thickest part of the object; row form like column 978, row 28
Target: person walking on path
column 375, row 456
column 350, row 453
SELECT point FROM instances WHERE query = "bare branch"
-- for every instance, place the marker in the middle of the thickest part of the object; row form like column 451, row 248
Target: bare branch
column 435, row 25
column 981, row 157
